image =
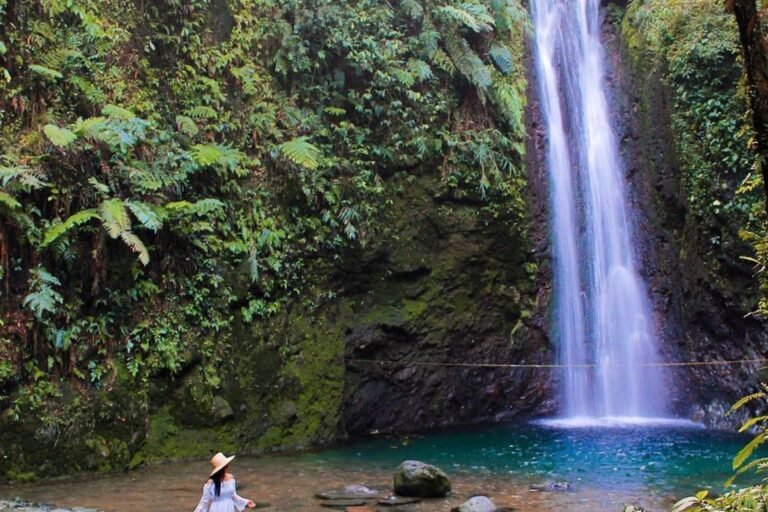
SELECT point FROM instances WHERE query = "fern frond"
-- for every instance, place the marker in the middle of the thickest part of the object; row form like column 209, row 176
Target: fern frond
column 99, row 186
column 72, row 221
column 26, row 177
column 187, row 126
column 469, row 64
column 420, row 69
column 114, row 217
column 135, row 244
column 749, row 449
column 751, row 422
column 502, row 58
column 413, row 8
column 404, row 78
column 510, row 104
column 744, row 401
column 301, row 152
column 8, row 200
column 116, row 112
column 61, row 137
column 206, row 154
column 145, row 215
column 202, row 112
column 474, row 17
column 45, row 72
column 443, row 61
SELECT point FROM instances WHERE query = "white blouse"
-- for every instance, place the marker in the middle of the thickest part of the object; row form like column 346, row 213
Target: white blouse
column 226, row 501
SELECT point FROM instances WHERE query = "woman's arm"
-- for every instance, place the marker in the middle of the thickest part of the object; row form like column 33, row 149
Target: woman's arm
column 242, row 503
column 205, row 500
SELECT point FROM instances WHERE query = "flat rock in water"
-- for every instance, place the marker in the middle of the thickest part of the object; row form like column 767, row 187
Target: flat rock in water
column 342, row 503
column 351, row 492
column 552, row 487
column 394, row 501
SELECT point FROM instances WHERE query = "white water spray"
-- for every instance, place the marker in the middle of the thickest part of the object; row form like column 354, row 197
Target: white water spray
column 601, row 318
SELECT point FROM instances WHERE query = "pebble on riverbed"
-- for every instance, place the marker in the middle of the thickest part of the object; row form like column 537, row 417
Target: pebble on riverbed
column 19, row 505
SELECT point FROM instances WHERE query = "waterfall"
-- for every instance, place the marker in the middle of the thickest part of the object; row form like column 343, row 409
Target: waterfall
column 601, row 311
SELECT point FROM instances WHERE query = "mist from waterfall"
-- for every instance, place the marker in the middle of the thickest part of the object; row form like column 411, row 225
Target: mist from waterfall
column 601, row 313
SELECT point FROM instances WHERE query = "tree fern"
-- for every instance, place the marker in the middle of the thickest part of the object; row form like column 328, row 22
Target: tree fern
column 61, row 137
column 301, row 152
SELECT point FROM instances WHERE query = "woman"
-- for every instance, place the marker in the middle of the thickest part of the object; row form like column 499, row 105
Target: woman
column 219, row 493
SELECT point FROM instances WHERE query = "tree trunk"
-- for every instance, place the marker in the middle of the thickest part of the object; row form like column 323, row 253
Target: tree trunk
column 755, row 49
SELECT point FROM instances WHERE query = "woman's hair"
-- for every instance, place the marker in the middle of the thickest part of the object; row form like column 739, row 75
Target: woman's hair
column 217, row 477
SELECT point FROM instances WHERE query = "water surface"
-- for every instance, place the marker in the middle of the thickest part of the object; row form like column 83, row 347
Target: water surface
column 647, row 465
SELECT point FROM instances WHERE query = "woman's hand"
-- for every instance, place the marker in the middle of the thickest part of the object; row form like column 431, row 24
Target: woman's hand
column 250, row 504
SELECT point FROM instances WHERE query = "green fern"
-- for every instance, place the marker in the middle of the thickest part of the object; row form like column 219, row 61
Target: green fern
column 61, row 137
column 8, row 200
column 202, row 112
column 469, row 64
column 114, row 217
column 413, row 8
column 420, row 69
column 510, row 104
column 146, row 215
column 43, row 298
column 186, row 125
column 502, row 58
column 474, row 17
column 301, row 152
column 206, row 154
column 57, row 230
column 116, row 112
column 45, row 72
column 135, row 244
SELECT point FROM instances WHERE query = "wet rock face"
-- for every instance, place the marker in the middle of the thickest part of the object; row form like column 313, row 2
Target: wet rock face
column 416, row 479
column 447, row 292
column 701, row 298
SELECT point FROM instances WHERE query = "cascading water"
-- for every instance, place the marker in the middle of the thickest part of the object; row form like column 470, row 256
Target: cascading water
column 601, row 311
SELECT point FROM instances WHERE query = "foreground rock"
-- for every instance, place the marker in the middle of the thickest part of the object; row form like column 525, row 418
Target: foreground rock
column 19, row 505
column 414, row 478
column 476, row 504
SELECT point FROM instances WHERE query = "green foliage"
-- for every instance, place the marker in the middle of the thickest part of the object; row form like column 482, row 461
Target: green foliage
column 301, row 153
column 750, row 498
column 189, row 166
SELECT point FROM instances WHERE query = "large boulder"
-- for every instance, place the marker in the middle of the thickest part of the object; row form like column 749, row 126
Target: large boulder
column 414, row 478
column 476, row 504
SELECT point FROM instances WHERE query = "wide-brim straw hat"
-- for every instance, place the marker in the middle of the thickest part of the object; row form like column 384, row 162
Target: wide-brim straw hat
column 219, row 462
